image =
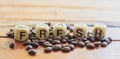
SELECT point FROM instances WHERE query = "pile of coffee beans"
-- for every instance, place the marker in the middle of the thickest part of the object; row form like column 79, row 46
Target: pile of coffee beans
column 63, row 44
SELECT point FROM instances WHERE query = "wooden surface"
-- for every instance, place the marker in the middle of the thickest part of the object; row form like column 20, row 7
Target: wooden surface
column 112, row 51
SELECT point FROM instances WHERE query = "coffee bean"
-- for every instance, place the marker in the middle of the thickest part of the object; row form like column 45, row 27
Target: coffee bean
column 86, row 42
column 74, row 43
column 104, row 44
column 34, row 44
column 70, row 40
column 10, row 34
column 97, row 38
column 48, row 45
column 91, row 40
column 66, row 38
column 46, row 42
column 12, row 45
column 56, row 42
column 72, row 47
column 57, row 47
column 69, row 36
column 49, row 39
column 84, row 39
column 48, row 49
column 40, row 42
column 28, row 47
column 63, row 41
column 26, row 43
column 71, row 30
column 68, row 27
column 90, row 46
column 32, row 51
column 81, row 44
column 65, row 49
column 97, row 44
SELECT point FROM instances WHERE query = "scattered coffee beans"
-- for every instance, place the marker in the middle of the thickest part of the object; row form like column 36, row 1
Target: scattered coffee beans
column 65, row 49
column 57, row 47
column 81, row 44
column 90, row 46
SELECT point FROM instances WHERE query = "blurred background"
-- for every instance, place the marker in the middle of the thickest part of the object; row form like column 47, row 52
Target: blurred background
column 106, row 11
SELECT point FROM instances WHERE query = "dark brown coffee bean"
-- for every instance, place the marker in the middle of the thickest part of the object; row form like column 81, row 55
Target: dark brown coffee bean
column 66, row 38
column 79, row 39
column 89, row 36
column 40, row 42
column 10, row 34
column 70, row 40
column 74, row 43
column 91, row 40
column 97, row 38
column 32, row 52
column 34, row 44
column 97, row 44
column 65, row 49
column 90, row 46
column 48, row 49
column 81, row 44
column 84, row 39
column 56, row 42
column 12, row 45
column 71, row 30
column 63, row 41
column 46, row 42
column 72, row 47
column 49, row 39
column 28, row 47
column 26, row 43
column 57, row 47
column 86, row 42
column 69, row 36
column 59, row 38
column 48, row 45
column 104, row 44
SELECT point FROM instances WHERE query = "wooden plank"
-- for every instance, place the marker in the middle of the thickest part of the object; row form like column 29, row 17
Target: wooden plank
column 110, row 52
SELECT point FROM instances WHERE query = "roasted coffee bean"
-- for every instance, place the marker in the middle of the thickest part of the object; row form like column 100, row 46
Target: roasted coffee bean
column 104, row 44
column 89, row 36
column 59, row 38
column 86, row 42
column 56, row 42
column 49, row 39
column 105, row 40
column 46, row 42
column 91, row 40
column 74, row 43
column 33, row 32
column 32, row 51
column 34, row 44
column 97, row 38
column 26, row 43
column 57, row 47
column 40, row 42
column 69, row 36
column 10, row 34
column 12, row 45
column 79, row 39
column 65, row 45
column 70, row 40
column 84, row 39
column 97, row 44
column 72, row 47
column 90, row 46
column 81, row 44
column 48, row 45
column 66, row 38
column 48, row 49
column 63, row 41
column 28, row 47
column 65, row 49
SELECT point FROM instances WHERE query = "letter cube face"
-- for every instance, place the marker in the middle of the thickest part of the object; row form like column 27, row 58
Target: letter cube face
column 59, row 30
column 21, row 33
column 80, row 30
column 99, row 30
column 42, row 31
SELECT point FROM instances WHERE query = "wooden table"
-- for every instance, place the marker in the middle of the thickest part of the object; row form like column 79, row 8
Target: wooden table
column 112, row 51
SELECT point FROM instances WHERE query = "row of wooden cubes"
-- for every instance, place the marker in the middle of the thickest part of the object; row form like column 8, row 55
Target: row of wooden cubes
column 21, row 32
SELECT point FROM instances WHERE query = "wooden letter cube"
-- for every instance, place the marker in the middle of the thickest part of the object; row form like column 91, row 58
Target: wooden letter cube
column 59, row 30
column 21, row 33
column 42, row 31
column 80, row 30
column 99, row 30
